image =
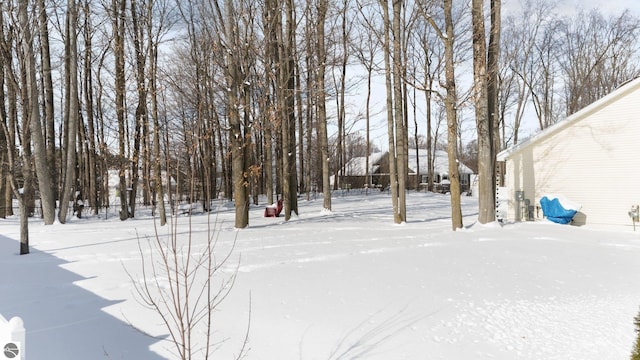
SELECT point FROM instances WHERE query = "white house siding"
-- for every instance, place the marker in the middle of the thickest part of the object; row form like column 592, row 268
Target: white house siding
column 593, row 158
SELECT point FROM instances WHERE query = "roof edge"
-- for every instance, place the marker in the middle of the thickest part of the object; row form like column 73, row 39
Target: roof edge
column 580, row 114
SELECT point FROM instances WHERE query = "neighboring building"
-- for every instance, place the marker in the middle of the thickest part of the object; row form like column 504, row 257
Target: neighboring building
column 440, row 170
column 355, row 171
column 591, row 158
column 355, row 174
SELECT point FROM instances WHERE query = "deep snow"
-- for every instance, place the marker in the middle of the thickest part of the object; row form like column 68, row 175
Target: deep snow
column 338, row 285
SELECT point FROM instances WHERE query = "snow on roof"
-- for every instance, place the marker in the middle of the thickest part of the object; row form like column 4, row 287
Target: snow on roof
column 440, row 164
column 357, row 166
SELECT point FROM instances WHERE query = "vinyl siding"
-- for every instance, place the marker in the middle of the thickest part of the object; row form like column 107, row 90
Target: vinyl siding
column 594, row 161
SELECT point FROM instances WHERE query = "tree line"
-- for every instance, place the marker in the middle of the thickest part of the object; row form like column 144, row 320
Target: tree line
column 203, row 99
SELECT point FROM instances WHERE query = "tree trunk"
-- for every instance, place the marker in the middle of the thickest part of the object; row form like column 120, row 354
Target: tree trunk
column 393, row 174
column 5, row 146
column 47, row 199
column 119, row 8
column 91, row 192
column 493, row 57
column 290, row 179
column 452, row 119
column 69, row 184
column 399, row 114
column 484, row 117
column 50, row 131
column 141, row 108
column 9, row 115
column 321, row 103
column 157, row 168
column 237, row 139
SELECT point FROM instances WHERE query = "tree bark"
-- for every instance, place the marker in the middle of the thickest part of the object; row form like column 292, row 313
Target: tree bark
column 92, row 190
column 290, row 182
column 485, row 98
column 237, row 139
column 69, row 183
column 321, row 103
column 45, row 186
column 452, row 118
column 393, row 172
column 50, row 131
column 399, row 113
column 119, row 8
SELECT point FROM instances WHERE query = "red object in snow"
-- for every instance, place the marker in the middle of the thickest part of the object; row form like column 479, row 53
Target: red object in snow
column 273, row 210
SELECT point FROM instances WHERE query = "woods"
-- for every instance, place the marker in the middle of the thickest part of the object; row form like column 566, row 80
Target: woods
column 128, row 103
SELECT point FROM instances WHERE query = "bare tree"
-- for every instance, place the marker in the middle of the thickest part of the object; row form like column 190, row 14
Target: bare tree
column 7, row 135
column 485, row 64
column 321, row 54
column 399, row 110
column 153, row 36
column 520, row 50
column 141, row 118
column 365, row 49
column 286, row 97
column 47, row 81
column 233, row 77
column 72, row 112
column 32, row 113
column 388, row 65
column 597, row 55
column 183, row 282
column 9, row 126
column 118, row 17
column 451, row 99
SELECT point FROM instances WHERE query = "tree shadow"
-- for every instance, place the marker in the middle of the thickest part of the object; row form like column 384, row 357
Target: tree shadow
column 63, row 320
column 369, row 336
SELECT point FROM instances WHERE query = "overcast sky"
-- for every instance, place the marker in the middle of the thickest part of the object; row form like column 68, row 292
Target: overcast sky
column 608, row 7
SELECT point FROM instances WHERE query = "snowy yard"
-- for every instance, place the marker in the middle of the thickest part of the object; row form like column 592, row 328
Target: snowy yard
column 339, row 285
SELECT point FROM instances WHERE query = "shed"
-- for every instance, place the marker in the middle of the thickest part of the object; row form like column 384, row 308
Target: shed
column 591, row 158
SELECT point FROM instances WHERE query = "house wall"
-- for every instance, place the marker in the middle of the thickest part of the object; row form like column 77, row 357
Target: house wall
column 594, row 161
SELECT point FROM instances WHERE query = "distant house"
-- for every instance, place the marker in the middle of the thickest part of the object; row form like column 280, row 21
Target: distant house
column 355, row 175
column 440, row 170
column 591, row 158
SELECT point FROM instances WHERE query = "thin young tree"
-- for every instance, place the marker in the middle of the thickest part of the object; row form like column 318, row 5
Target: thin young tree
column 185, row 281
column 365, row 49
column 7, row 135
column 8, row 122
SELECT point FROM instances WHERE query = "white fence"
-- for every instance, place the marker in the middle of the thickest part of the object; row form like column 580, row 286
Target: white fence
column 12, row 339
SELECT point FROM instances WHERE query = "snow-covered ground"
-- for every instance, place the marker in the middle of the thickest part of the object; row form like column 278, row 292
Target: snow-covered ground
column 349, row 284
